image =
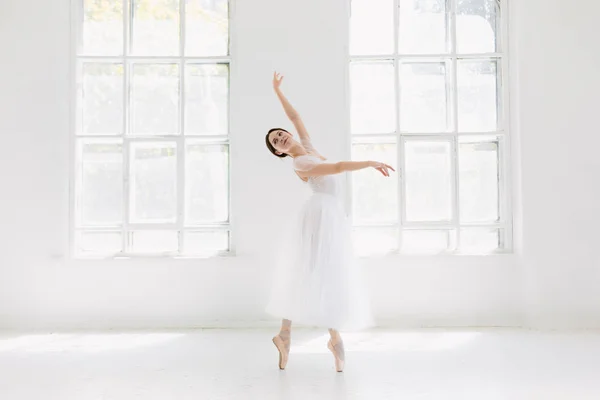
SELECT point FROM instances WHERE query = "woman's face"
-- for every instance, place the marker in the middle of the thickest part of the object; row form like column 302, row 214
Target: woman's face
column 281, row 140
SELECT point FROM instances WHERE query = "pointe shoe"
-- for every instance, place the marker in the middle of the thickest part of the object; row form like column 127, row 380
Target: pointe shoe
column 284, row 351
column 338, row 354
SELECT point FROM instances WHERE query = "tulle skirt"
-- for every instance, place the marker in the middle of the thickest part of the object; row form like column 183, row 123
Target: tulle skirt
column 317, row 280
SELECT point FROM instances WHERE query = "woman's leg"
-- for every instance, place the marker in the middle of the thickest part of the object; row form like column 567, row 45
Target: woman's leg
column 283, row 341
column 285, row 332
column 335, row 336
column 336, row 346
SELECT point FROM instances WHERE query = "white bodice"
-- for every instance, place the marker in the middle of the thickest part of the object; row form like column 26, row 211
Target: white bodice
column 327, row 184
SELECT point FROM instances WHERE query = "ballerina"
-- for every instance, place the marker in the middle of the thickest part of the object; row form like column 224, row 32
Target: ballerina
column 319, row 284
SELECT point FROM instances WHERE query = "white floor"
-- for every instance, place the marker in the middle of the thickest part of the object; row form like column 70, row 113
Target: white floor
column 242, row 364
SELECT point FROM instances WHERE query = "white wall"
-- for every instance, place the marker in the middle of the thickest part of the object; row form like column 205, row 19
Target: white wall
column 40, row 288
column 559, row 84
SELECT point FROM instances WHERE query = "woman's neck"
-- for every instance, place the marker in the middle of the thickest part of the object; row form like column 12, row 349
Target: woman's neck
column 297, row 151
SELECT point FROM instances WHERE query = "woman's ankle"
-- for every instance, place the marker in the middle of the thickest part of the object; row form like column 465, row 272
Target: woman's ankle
column 335, row 336
column 285, row 334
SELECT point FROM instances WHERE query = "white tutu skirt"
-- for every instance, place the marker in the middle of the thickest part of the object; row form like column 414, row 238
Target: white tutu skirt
column 317, row 281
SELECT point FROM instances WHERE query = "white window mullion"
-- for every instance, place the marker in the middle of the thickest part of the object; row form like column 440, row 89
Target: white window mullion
column 126, row 194
column 491, row 225
column 207, row 227
column 369, row 137
column 436, row 134
column 398, row 111
column 500, row 112
column 150, row 226
column 180, row 154
column 127, row 13
column 402, row 182
column 454, row 105
column 157, row 59
column 423, row 57
column 181, row 138
column 450, row 36
column 153, row 138
column 454, row 185
column 505, row 149
column 428, row 225
column 505, row 235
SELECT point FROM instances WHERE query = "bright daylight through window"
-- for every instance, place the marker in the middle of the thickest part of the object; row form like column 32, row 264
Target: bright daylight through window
column 151, row 127
column 427, row 95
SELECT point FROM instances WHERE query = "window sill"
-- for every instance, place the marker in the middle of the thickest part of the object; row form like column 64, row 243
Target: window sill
column 153, row 256
column 439, row 255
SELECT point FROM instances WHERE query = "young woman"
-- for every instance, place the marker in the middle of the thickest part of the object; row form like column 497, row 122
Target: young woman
column 319, row 283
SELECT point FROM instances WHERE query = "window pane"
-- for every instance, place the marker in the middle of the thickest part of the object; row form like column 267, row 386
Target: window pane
column 422, row 27
column 153, row 182
column 155, row 27
column 207, row 99
column 428, row 181
column 477, row 26
column 155, row 99
column 424, row 241
column 375, row 241
column 102, row 99
column 207, row 28
column 205, row 243
column 372, row 27
column 375, row 197
column 100, row 183
column 152, row 242
column 372, row 98
column 477, row 96
column 207, row 183
column 102, row 27
column 479, row 184
column 98, row 243
column 423, row 97
column 479, row 240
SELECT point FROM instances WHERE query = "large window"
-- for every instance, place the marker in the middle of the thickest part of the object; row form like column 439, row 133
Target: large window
column 427, row 95
column 151, row 173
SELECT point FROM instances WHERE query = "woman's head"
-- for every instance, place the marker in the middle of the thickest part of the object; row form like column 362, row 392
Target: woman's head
column 279, row 142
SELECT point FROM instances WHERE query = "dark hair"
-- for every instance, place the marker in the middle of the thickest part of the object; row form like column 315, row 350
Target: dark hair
column 270, row 146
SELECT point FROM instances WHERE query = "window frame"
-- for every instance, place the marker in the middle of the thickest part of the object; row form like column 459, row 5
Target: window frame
column 501, row 56
column 180, row 139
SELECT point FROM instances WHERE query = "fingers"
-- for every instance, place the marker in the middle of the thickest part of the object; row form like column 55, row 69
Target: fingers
column 383, row 170
column 380, row 169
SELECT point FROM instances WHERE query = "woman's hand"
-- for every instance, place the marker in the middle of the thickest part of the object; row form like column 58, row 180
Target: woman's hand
column 277, row 78
column 382, row 167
